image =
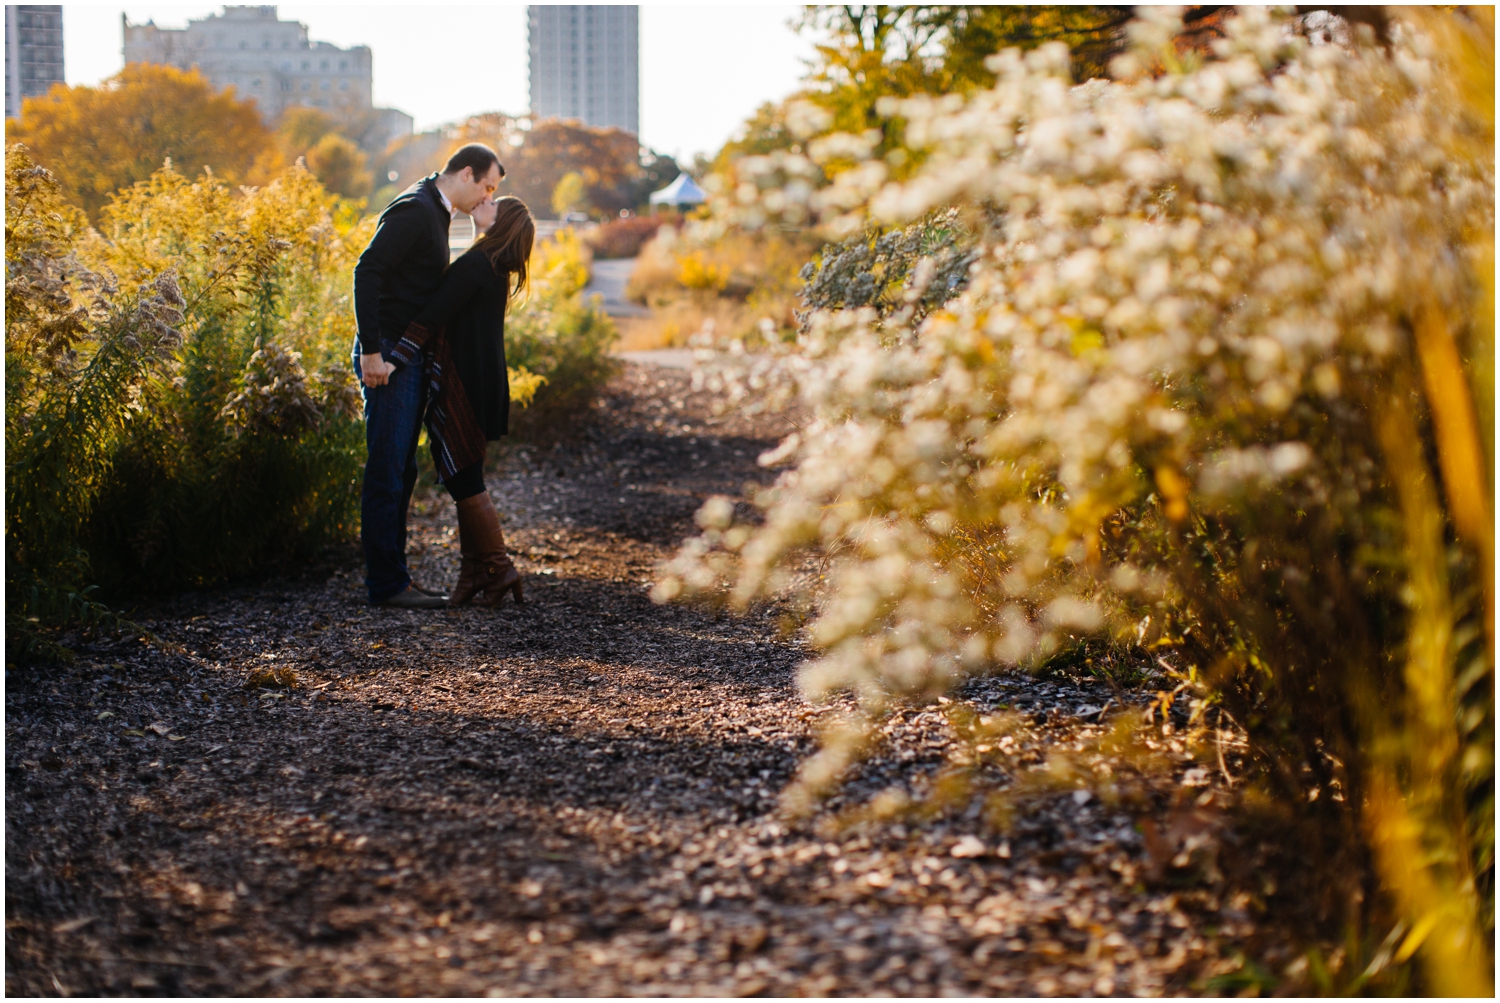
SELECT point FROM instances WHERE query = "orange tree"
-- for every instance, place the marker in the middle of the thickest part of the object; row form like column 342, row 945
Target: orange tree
column 327, row 147
column 340, row 165
column 607, row 161
column 97, row 140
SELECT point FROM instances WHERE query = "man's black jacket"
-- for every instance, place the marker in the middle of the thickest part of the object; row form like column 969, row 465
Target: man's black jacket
column 403, row 266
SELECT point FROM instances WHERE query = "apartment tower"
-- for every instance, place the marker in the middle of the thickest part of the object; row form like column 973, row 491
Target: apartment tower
column 33, row 52
column 585, row 64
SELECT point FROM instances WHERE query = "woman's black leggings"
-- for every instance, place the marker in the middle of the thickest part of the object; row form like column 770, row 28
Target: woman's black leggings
column 467, row 483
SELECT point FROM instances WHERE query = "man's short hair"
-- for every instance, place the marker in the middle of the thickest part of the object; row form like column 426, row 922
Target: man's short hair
column 476, row 156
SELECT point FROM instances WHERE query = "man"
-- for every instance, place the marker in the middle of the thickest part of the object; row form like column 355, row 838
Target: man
column 395, row 278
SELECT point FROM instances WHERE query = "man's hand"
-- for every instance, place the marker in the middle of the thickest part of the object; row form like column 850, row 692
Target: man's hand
column 375, row 370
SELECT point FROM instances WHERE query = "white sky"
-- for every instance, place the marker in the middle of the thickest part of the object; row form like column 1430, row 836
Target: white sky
column 704, row 69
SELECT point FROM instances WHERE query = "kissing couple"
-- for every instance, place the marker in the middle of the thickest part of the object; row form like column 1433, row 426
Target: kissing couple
column 430, row 347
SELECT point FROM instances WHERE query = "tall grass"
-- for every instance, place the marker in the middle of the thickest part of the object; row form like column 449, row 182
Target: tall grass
column 249, row 449
column 177, row 407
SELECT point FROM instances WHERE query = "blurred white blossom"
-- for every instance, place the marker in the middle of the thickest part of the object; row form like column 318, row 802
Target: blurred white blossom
column 1187, row 275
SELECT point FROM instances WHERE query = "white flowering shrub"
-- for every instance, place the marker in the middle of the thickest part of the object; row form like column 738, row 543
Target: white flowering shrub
column 1215, row 387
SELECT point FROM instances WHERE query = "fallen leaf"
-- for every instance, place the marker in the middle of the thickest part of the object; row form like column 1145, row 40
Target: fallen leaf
column 74, row 925
column 104, row 714
column 134, row 733
column 176, row 738
column 159, row 727
column 275, row 677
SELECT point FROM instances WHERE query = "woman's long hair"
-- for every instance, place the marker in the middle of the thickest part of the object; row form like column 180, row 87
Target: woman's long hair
column 507, row 243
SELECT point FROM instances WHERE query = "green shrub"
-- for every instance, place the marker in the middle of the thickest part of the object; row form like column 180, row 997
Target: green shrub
column 178, row 406
column 250, row 453
column 81, row 359
column 555, row 334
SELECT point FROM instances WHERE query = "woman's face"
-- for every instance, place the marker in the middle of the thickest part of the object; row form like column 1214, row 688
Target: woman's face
column 484, row 215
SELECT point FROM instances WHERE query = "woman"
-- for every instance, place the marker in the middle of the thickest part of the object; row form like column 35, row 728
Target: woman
column 463, row 330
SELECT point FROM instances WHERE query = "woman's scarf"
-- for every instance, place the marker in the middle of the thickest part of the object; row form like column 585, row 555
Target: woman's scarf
column 457, row 440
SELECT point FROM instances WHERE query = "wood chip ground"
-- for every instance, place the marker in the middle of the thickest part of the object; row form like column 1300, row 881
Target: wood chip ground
column 578, row 796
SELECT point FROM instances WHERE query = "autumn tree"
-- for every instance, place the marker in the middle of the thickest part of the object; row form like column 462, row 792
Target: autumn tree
column 1093, row 34
column 866, row 52
column 324, row 143
column 869, row 51
column 340, row 165
column 300, row 129
column 98, row 140
column 616, row 172
column 608, row 161
column 569, row 194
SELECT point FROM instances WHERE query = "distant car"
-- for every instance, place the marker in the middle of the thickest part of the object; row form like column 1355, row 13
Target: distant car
column 575, row 217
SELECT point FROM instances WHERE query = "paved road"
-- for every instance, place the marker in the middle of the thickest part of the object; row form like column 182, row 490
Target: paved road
column 608, row 281
column 671, row 358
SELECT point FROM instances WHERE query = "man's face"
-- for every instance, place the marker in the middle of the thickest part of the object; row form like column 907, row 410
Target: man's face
column 470, row 192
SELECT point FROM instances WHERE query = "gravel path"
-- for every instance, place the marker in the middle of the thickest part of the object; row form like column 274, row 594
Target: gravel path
column 576, row 796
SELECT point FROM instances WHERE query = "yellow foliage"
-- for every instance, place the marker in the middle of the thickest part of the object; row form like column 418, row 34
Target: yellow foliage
column 561, row 265
column 695, row 271
column 200, row 228
column 523, row 385
column 340, row 165
column 97, row 140
column 569, row 194
column 301, row 128
column 180, row 405
column 737, row 281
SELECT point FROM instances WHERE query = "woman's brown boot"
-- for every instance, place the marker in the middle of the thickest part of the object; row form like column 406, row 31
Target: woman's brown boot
column 485, row 571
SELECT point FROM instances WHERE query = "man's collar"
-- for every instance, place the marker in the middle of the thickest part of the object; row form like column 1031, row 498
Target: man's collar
column 446, row 204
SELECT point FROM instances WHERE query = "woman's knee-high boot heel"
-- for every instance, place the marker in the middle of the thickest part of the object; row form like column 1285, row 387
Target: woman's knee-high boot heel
column 486, row 572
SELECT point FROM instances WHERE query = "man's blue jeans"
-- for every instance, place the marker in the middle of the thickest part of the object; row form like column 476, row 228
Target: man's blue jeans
column 393, row 423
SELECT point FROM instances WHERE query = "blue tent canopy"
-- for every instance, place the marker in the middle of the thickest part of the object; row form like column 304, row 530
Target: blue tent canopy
column 682, row 191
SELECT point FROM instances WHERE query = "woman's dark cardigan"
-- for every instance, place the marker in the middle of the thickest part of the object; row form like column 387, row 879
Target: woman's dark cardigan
column 463, row 330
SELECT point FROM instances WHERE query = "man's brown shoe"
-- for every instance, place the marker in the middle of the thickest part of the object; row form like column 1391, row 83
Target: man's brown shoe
column 429, row 592
column 411, row 598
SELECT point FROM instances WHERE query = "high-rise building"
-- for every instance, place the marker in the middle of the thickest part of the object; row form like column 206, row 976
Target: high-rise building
column 585, row 64
column 33, row 52
column 261, row 57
